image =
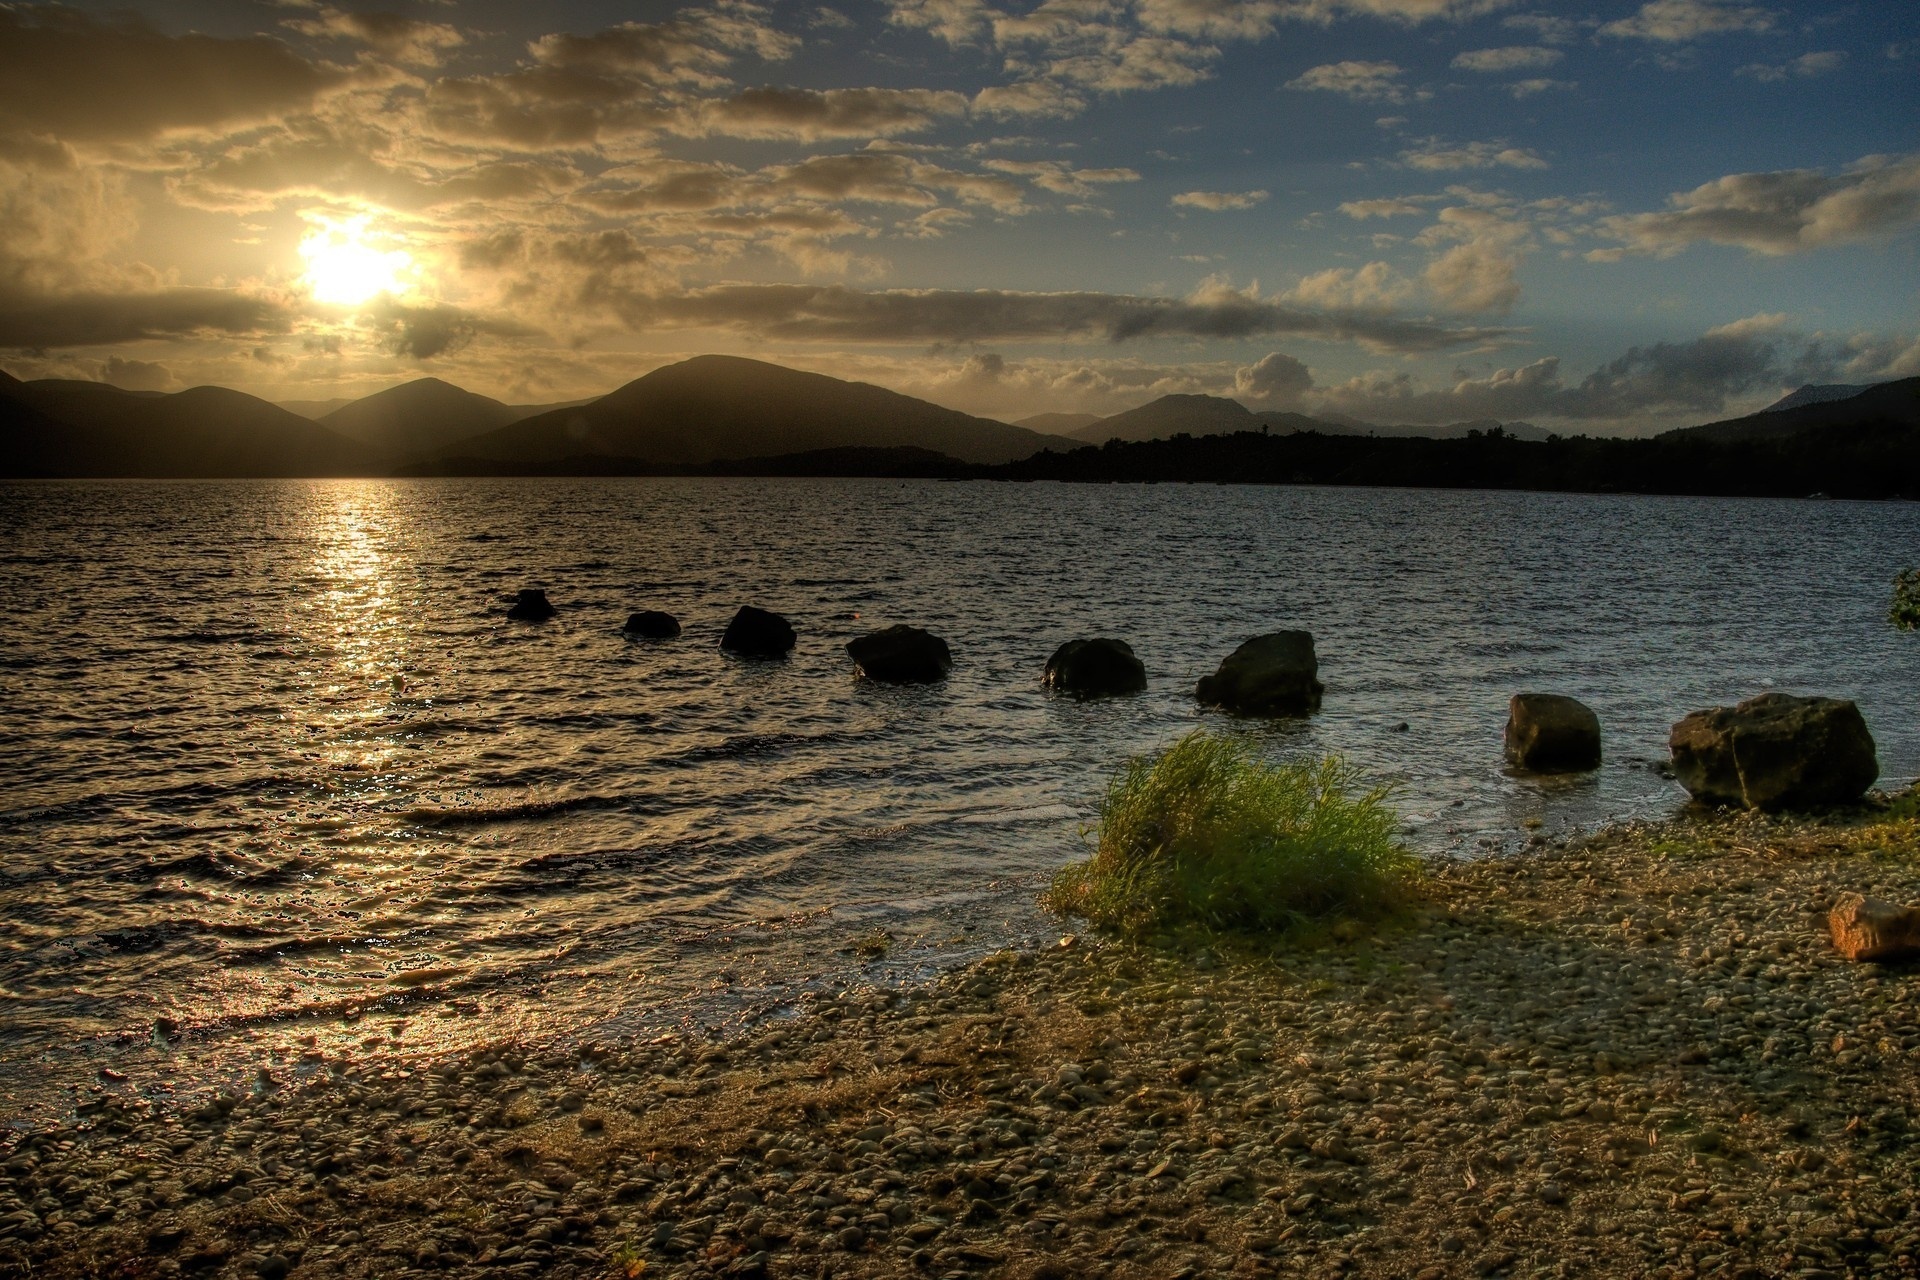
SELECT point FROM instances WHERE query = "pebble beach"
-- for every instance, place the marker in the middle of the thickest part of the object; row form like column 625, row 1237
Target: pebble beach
column 1634, row 1053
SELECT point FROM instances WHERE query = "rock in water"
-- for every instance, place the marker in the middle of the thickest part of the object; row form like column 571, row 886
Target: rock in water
column 1271, row 675
column 1776, row 751
column 532, row 606
column 757, row 633
column 1095, row 669
column 1552, row 733
column 652, row 624
column 901, row 655
column 1868, row 929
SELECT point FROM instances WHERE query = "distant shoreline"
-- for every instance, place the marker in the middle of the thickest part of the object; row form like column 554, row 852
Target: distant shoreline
column 1866, row 462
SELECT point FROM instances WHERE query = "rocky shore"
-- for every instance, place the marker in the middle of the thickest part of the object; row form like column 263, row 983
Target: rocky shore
column 1635, row 1054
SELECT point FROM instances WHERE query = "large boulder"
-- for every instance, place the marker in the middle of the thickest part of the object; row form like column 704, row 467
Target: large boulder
column 1095, row 668
column 1552, row 733
column 756, row 633
column 651, row 624
column 1270, row 675
column 901, row 655
column 532, row 606
column 1776, row 751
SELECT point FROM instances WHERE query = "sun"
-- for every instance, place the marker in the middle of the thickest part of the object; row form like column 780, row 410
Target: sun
column 343, row 268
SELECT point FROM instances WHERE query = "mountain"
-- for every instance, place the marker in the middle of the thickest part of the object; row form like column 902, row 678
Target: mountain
column 315, row 409
column 419, row 417
column 1057, row 424
column 1196, row 415
column 1887, row 404
column 719, row 408
column 1816, row 393
column 1171, row 416
column 63, row 428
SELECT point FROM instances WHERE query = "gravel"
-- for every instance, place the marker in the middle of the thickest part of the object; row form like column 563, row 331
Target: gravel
column 1635, row 1054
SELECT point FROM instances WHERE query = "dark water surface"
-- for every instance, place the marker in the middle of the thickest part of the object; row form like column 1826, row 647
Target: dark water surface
column 278, row 770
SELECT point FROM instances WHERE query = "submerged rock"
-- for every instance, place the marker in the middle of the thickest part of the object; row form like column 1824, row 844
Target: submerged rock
column 532, row 606
column 758, row 633
column 901, row 655
column 1270, row 675
column 1776, row 751
column 1552, row 733
column 1868, row 929
column 1095, row 668
column 652, row 624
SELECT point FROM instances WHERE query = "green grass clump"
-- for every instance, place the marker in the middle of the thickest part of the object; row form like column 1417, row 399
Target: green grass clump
column 1905, row 613
column 1209, row 834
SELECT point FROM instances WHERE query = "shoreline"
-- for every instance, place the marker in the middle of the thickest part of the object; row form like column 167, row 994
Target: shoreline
column 1629, row 1053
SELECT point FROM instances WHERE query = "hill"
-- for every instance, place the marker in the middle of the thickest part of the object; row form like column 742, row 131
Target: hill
column 1170, row 416
column 722, row 408
column 1817, row 393
column 62, row 428
column 419, row 418
column 1057, row 424
column 1888, row 404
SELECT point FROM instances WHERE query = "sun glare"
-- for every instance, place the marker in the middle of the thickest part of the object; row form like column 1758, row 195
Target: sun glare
column 343, row 268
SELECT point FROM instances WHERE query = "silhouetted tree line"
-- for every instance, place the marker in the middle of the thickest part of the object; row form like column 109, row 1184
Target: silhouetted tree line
column 1874, row 460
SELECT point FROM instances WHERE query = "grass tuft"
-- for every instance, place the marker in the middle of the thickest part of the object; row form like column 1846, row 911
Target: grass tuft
column 1209, row 834
column 1905, row 613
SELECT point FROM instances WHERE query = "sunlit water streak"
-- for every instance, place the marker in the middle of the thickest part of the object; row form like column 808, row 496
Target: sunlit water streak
column 274, row 755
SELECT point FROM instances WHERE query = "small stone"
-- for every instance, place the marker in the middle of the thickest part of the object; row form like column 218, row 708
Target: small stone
column 1552, row 1193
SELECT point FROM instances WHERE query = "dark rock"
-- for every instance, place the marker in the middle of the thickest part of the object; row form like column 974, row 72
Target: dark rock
column 1095, row 669
column 1551, row 733
column 1270, row 675
column 532, row 606
column 652, row 624
column 1868, row 929
column 901, row 655
column 1776, row 751
column 757, row 633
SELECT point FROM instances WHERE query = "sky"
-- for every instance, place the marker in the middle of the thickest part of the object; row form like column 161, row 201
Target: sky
column 1609, row 217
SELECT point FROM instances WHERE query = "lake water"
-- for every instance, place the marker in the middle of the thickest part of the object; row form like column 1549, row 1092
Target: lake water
column 279, row 772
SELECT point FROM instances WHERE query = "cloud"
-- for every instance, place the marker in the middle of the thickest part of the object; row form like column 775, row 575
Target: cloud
column 137, row 375
column 1680, row 21
column 1388, row 208
column 1474, row 277
column 423, row 332
column 814, row 114
column 1218, row 201
column 421, row 44
column 100, row 319
column 1276, row 380
column 1545, row 27
column 1539, row 84
column 627, row 81
column 1361, row 81
column 1782, row 212
column 1434, row 154
column 86, row 80
column 1039, row 99
column 1696, row 379
column 1061, row 178
column 1510, row 58
column 1374, row 286
column 835, row 313
column 1806, row 65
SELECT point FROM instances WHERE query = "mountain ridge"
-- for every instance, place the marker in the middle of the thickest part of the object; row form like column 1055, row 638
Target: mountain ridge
column 720, row 408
